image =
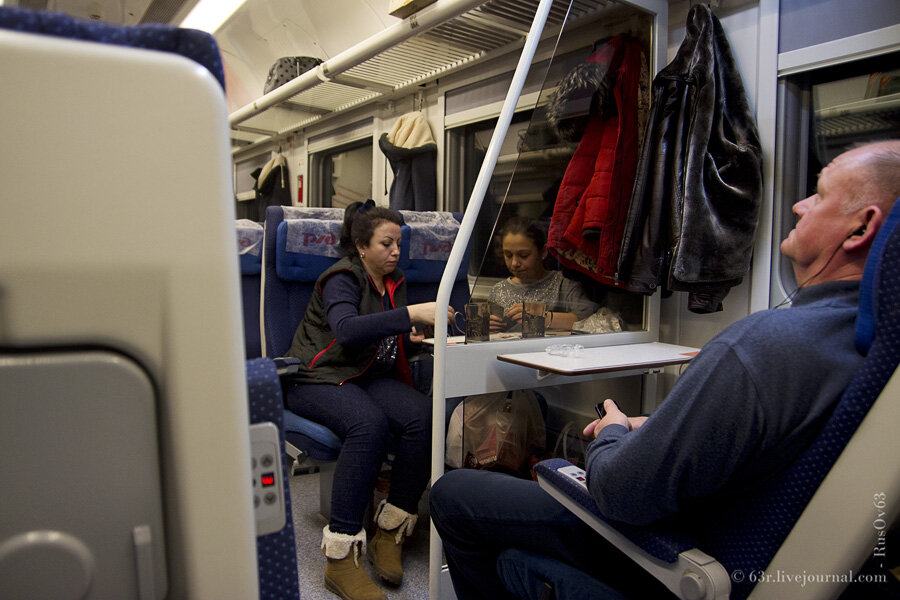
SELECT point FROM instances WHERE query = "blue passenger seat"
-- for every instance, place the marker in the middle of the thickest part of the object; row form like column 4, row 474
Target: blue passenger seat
column 276, row 552
column 196, row 45
column 249, row 245
column 300, row 244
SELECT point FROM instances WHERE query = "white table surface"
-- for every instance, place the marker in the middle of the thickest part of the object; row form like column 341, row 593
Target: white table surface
column 604, row 359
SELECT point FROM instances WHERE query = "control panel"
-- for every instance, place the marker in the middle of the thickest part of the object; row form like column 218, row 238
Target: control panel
column 575, row 474
column 268, row 481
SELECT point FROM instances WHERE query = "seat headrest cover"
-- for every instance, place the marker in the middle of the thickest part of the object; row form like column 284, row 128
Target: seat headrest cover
column 302, row 212
column 431, row 234
column 868, row 290
column 196, row 45
column 304, row 263
column 314, row 236
column 311, row 231
column 249, row 237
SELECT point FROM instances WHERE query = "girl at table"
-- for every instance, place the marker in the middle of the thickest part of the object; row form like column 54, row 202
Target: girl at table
column 524, row 247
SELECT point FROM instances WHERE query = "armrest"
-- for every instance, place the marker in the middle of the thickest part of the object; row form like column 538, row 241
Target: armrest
column 286, row 365
column 672, row 559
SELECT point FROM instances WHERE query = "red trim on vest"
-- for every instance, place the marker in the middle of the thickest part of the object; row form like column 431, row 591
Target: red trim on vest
column 319, row 355
column 391, row 286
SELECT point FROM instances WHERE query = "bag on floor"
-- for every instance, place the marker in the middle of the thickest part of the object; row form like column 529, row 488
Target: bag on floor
column 500, row 430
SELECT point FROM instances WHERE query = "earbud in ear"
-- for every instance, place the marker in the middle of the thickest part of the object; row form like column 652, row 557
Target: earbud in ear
column 859, row 231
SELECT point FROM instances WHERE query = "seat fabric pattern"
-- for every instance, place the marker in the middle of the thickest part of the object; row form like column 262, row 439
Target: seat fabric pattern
column 661, row 541
column 276, row 552
column 251, row 280
column 197, row 45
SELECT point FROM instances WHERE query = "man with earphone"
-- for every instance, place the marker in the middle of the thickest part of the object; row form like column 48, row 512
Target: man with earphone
column 746, row 406
column 837, row 224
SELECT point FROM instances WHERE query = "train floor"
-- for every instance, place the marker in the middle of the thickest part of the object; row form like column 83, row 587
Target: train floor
column 308, row 524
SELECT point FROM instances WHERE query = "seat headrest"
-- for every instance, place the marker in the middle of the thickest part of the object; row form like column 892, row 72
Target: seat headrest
column 304, row 212
column 868, row 290
column 249, row 245
column 426, row 241
column 196, row 45
column 307, row 242
column 305, row 248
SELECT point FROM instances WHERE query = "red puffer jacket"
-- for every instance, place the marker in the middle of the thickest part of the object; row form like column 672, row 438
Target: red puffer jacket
column 592, row 204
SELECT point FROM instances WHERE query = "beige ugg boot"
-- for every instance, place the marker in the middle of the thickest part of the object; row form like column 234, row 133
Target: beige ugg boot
column 394, row 526
column 344, row 575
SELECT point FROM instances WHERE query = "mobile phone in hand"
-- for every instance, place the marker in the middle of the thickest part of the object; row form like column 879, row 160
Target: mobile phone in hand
column 600, row 411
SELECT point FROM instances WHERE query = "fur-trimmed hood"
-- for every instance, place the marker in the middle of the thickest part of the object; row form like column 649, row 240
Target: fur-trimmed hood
column 587, row 90
column 584, row 90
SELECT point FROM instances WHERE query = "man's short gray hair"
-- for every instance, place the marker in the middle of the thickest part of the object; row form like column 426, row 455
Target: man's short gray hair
column 879, row 179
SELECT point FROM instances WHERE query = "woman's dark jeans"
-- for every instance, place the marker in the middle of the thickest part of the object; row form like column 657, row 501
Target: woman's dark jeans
column 365, row 415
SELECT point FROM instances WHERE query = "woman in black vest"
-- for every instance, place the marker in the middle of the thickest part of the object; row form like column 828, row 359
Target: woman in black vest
column 354, row 378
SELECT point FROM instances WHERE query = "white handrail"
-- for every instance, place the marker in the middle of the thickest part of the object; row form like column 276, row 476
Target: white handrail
column 415, row 24
column 453, row 264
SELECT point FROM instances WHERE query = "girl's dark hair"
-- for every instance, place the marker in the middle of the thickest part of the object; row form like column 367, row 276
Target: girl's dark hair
column 360, row 221
column 523, row 226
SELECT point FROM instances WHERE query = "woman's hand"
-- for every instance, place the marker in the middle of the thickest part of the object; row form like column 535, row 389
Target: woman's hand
column 425, row 313
column 560, row 320
column 514, row 314
column 498, row 324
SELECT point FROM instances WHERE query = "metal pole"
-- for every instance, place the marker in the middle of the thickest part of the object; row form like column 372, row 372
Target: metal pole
column 453, row 263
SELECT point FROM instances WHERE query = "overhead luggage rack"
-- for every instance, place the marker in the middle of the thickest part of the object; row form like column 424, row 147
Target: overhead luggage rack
column 438, row 40
column 869, row 116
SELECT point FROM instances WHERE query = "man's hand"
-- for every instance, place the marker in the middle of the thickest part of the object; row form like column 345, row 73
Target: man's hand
column 635, row 422
column 613, row 416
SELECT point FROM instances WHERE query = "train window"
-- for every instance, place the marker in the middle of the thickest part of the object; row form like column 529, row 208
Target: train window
column 342, row 175
column 534, row 158
column 825, row 112
column 467, row 144
column 245, row 185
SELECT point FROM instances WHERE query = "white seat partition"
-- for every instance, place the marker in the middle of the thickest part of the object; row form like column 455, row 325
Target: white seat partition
column 118, row 243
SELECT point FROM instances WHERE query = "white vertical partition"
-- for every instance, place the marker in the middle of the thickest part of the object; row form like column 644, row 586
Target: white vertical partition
column 119, row 214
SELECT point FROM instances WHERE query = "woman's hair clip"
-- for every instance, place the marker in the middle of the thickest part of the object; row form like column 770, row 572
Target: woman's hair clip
column 366, row 206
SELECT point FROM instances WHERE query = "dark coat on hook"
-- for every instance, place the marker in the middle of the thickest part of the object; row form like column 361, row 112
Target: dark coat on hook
column 412, row 153
column 272, row 188
column 695, row 205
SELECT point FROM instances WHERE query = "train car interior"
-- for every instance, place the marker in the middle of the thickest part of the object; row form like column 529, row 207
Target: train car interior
column 181, row 179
